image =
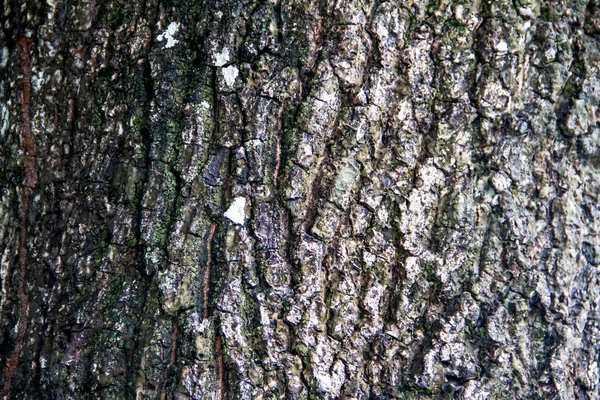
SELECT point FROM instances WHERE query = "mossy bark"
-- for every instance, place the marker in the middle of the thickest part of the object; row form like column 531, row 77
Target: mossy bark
column 299, row 199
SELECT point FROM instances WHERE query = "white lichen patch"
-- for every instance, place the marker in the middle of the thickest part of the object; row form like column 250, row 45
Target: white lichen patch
column 237, row 211
column 222, row 58
column 169, row 35
column 502, row 46
column 230, row 74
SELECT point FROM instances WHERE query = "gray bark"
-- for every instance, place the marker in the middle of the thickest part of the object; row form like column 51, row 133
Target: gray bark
column 300, row 199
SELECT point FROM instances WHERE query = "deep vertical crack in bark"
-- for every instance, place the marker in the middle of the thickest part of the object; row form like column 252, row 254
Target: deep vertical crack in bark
column 31, row 181
column 31, row 175
column 207, row 271
column 221, row 395
column 173, row 353
column 278, row 138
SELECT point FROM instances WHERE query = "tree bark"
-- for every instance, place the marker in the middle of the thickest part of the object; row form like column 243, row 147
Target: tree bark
column 300, row 199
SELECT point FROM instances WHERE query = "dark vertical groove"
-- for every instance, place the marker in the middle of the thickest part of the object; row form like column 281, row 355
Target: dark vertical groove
column 221, row 391
column 173, row 359
column 29, row 185
column 140, row 248
column 207, row 271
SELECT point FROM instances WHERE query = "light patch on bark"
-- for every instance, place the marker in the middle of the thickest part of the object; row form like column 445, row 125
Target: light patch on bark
column 237, row 211
column 169, row 35
column 502, row 46
column 230, row 74
column 222, row 58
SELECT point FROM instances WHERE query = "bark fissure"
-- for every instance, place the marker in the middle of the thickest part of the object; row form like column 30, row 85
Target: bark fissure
column 173, row 358
column 208, row 269
column 30, row 183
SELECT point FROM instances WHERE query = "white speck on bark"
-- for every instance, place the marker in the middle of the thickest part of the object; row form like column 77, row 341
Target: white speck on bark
column 222, row 58
column 169, row 34
column 237, row 211
column 230, row 74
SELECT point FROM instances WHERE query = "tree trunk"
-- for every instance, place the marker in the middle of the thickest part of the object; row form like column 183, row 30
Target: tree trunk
column 300, row 199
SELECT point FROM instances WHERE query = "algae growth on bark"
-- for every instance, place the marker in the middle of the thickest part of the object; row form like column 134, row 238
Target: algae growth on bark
column 299, row 199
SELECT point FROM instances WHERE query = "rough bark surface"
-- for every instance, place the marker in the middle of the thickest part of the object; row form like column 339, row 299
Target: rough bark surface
column 299, row 199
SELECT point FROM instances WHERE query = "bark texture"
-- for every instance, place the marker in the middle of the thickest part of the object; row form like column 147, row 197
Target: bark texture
column 300, row 199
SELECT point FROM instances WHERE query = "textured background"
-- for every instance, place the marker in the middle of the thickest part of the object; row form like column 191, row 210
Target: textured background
column 420, row 180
